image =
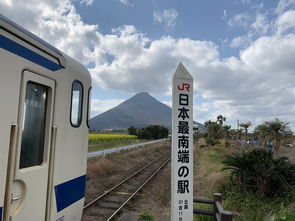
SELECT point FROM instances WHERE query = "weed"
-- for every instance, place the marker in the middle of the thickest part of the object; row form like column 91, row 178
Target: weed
column 252, row 206
column 102, row 167
column 146, row 216
column 161, row 192
column 200, row 217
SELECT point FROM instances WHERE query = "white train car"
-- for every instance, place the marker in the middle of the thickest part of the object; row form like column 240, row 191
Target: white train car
column 44, row 105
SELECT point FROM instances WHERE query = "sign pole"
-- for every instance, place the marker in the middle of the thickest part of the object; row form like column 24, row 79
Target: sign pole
column 182, row 146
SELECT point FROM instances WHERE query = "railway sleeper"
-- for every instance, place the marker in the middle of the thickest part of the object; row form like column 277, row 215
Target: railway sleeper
column 108, row 207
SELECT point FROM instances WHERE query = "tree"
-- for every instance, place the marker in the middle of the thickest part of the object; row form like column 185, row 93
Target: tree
column 214, row 132
column 245, row 126
column 226, row 130
column 275, row 131
column 132, row 130
column 261, row 132
column 221, row 119
column 150, row 132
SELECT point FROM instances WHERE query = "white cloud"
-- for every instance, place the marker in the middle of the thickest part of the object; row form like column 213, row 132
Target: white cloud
column 57, row 22
column 126, row 2
column 260, row 25
column 255, row 25
column 240, row 20
column 283, row 5
column 224, row 14
column 240, row 41
column 258, row 85
column 246, row 2
column 286, row 22
column 86, row 2
column 167, row 18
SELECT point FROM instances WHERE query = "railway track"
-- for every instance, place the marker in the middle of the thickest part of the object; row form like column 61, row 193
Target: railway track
column 109, row 204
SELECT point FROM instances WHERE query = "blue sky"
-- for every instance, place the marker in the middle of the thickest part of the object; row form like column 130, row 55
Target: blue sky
column 198, row 20
column 240, row 52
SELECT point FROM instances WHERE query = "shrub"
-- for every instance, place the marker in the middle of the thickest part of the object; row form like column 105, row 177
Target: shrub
column 150, row 132
column 146, row 216
column 258, row 171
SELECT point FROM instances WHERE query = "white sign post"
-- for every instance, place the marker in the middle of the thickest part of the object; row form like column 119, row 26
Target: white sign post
column 182, row 146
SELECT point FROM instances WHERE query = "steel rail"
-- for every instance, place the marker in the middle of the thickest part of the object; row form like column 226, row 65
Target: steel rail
column 121, row 207
column 122, row 182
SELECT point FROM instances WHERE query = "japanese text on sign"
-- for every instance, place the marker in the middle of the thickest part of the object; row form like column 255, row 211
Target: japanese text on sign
column 182, row 168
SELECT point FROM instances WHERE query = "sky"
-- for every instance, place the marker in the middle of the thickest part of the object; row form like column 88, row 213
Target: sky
column 239, row 52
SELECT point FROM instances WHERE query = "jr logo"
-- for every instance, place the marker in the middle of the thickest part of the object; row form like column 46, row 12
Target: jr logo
column 184, row 87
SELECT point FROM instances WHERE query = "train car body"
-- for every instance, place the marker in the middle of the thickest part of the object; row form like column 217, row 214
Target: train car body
column 44, row 104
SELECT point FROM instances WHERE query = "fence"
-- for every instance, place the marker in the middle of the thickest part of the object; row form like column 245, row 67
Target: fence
column 218, row 213
column 118, row 149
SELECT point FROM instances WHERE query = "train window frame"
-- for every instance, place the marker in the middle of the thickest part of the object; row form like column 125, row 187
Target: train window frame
column 88, row 106
column 23, row 164
column 80, row 116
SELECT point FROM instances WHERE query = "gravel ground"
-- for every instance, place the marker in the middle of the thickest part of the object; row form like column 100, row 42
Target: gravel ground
column 154, row 198
column 102, row 174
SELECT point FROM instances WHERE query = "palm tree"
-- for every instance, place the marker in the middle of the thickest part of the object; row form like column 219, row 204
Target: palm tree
column 221, row 119
column 226, row 129
column 245, row 126
column 262, row 133
column 275, row 131
column 257, row 170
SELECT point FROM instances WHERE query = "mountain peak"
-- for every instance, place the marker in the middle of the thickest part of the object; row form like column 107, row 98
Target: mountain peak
column 141, row 98
column 141, row 110
column 142, row 94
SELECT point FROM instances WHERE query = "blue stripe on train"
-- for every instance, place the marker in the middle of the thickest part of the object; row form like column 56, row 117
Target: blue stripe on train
column 28, row 54
column 69, row 192
column 0, row 213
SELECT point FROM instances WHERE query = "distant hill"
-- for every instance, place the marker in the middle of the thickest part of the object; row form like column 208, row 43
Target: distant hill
column 140, row 110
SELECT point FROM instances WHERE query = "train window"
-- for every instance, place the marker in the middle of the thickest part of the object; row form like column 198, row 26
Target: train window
column 76, row 104
column 33, row 130
column 89, row 106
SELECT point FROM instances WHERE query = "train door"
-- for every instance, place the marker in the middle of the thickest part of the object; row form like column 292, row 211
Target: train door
column 28, row 184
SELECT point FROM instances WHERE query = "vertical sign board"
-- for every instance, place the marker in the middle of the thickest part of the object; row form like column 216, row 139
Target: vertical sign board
column 182, row 146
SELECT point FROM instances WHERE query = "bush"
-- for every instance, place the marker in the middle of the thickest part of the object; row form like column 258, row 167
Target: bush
column 146, row 216
column 258, row 171
column 150, row 132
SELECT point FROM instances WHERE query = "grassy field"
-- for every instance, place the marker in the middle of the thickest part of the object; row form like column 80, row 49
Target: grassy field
column 106, row 141
column 209, row 178
column 246, row 206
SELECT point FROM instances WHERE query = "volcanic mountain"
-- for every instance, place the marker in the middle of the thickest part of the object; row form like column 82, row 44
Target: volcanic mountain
column 141, row 110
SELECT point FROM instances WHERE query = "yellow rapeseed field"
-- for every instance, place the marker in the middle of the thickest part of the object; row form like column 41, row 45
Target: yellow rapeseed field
column 97, row 138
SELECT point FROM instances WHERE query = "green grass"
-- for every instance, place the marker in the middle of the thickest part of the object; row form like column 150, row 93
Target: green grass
column 113, row 144
column 200, row 217
column 250, row 206
column 290, row 216
column 246, row 206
